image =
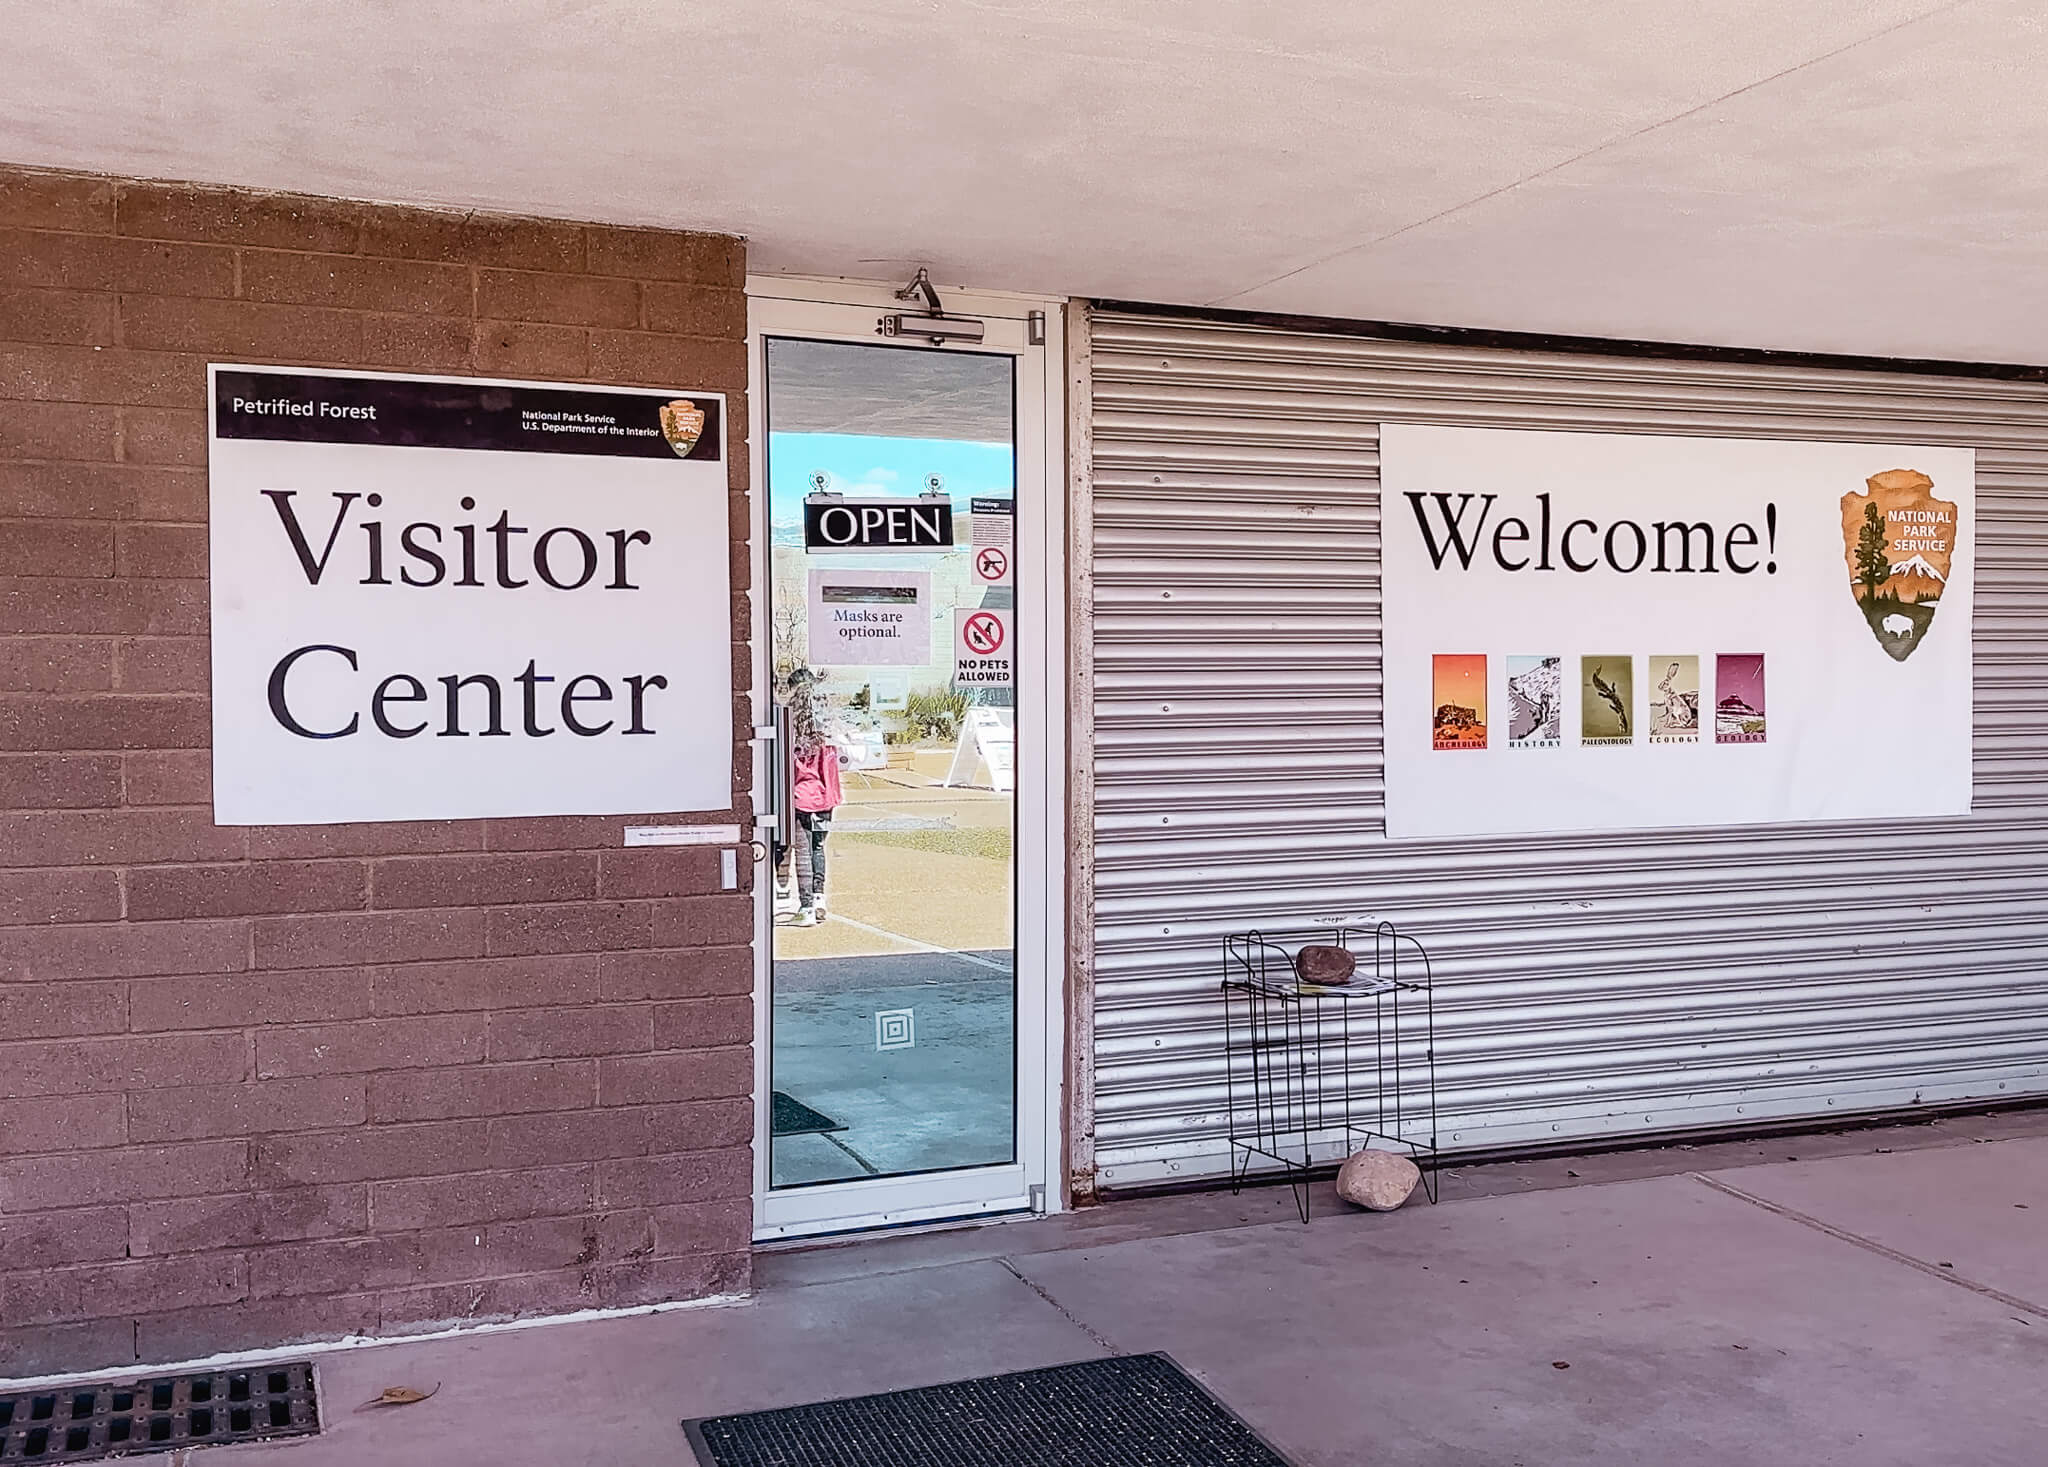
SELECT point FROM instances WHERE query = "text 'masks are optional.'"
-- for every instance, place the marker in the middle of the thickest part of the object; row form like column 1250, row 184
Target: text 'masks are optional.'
column 444, row 598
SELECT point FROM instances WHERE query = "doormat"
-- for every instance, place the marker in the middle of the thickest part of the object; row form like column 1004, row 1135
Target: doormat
column 93, row 1421
column 1129, row 1411
column 788, row 1116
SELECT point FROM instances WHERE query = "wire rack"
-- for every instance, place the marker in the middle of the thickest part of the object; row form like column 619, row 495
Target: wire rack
column 1316, row 1072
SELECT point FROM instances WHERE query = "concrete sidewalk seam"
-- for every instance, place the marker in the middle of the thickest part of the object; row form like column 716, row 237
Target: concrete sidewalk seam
column 1871, row 1245
column 1082, row 1325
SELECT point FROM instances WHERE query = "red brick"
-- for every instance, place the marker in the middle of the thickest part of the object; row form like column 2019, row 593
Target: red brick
column 518, row 349
column 95, row 1290
column 247, row 1219
column 50, row 605
column 56, row 781
column 368, row 937
column 656, row 360
column 694, row 310
column 477, row 1301
column 479, row 1197
column 100, row 374
column 162, row 664
column 58, row 895
column 524, row 1034
column 703, row 1227
column 483, row 1090
column 664, row 1079
column 168, row 437
column 101, row 491
column 36, row 200
column 62, row 430
column 725, row 920
column 183, row 1334
column 373, row 1153
column 101, row 721
column 417, row 343
column 237, row 216
column 354, row 283
column 62, row 1010
column 703, row 1023
column 657, row 1280
column 474, row 239
column 555, row 833
column 52, row 1239
column 106, row 262
column 170, row 551
column 392, row 839
column 687, row 973
column 174, row 777
column 240, row 328
column 489, row 983
column 606, row 1133
column 114, row 837
column 245, row 889
column 247, row 1000
column 66, row 317
column 657, row 872
column 654, row 254
column 580, row 927
column 55, row 665
column 465, row 881
column 55, row 548
column 394, row 1260
column 122, row 950
column 87, row 1178
column 568, row 300
column 202, row 1112
column 421, row 1042
column 96, row 1066
column 65, row 1349
column 58, row 1123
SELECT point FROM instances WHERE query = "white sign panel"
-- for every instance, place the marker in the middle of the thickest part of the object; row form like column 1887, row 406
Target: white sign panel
column 447, row 598
column 983, row 656
column 1594, row 631
column 870, row 618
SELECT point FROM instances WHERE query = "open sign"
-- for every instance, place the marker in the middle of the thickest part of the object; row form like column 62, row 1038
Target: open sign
column 832, row 523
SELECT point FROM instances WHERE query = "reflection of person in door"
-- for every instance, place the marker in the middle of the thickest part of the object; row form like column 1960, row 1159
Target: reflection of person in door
column 814, row 783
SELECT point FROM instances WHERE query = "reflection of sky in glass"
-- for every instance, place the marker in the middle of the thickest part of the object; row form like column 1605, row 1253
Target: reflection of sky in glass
column 865, row 464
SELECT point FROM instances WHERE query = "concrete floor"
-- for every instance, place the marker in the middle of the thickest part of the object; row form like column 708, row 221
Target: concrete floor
column 1865, row 1298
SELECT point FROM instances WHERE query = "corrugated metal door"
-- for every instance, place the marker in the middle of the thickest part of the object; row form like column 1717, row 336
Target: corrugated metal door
column 1588, row 985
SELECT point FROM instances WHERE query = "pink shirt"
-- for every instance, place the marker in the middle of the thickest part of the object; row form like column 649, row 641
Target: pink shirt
column 815, row 777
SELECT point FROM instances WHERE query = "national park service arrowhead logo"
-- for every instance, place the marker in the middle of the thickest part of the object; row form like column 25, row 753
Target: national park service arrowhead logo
column 1898, row 539
column 682, row 424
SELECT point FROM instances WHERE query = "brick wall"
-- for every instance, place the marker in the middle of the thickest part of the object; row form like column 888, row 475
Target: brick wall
column 260, row 1085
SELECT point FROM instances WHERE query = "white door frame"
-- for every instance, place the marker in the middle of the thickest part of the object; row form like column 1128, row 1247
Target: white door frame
column 849, row 311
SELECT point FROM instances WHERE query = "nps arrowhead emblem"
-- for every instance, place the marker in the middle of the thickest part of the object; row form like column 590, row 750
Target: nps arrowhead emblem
column 1898, row 540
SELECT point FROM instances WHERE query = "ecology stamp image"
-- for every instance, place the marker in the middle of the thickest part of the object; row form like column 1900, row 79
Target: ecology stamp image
column 1899, row 541
column 1739, row 698
column 1607, row 695
column 1458, row 696
column 1675, row 700
column 1535, row 702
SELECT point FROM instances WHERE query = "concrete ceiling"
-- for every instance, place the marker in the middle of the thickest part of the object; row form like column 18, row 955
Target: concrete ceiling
column 1836, row 175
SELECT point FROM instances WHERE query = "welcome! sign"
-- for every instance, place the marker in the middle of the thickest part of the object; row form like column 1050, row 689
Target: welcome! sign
column 1597, row 631
column 445, row 598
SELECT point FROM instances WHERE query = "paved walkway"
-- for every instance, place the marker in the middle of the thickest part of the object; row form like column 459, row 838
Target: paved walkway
column 1866, row 1298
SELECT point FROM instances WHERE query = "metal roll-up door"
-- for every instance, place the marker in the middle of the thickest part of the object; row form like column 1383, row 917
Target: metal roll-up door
column 1588, row 985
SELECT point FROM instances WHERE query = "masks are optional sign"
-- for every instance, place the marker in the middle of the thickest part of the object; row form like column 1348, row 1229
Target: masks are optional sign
column 444, row 598
column 1588, row 631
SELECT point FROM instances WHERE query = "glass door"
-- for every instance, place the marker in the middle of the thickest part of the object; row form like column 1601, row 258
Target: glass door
column 893, row 483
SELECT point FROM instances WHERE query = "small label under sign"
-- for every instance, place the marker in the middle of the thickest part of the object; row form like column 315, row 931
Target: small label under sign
column 682, row 835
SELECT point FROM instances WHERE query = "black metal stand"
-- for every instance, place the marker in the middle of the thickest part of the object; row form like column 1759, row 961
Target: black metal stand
column 1313, row 1068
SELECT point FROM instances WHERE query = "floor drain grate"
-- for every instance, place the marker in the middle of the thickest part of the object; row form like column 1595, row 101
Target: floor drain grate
column 1119, row 1412
column 93, row 1421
